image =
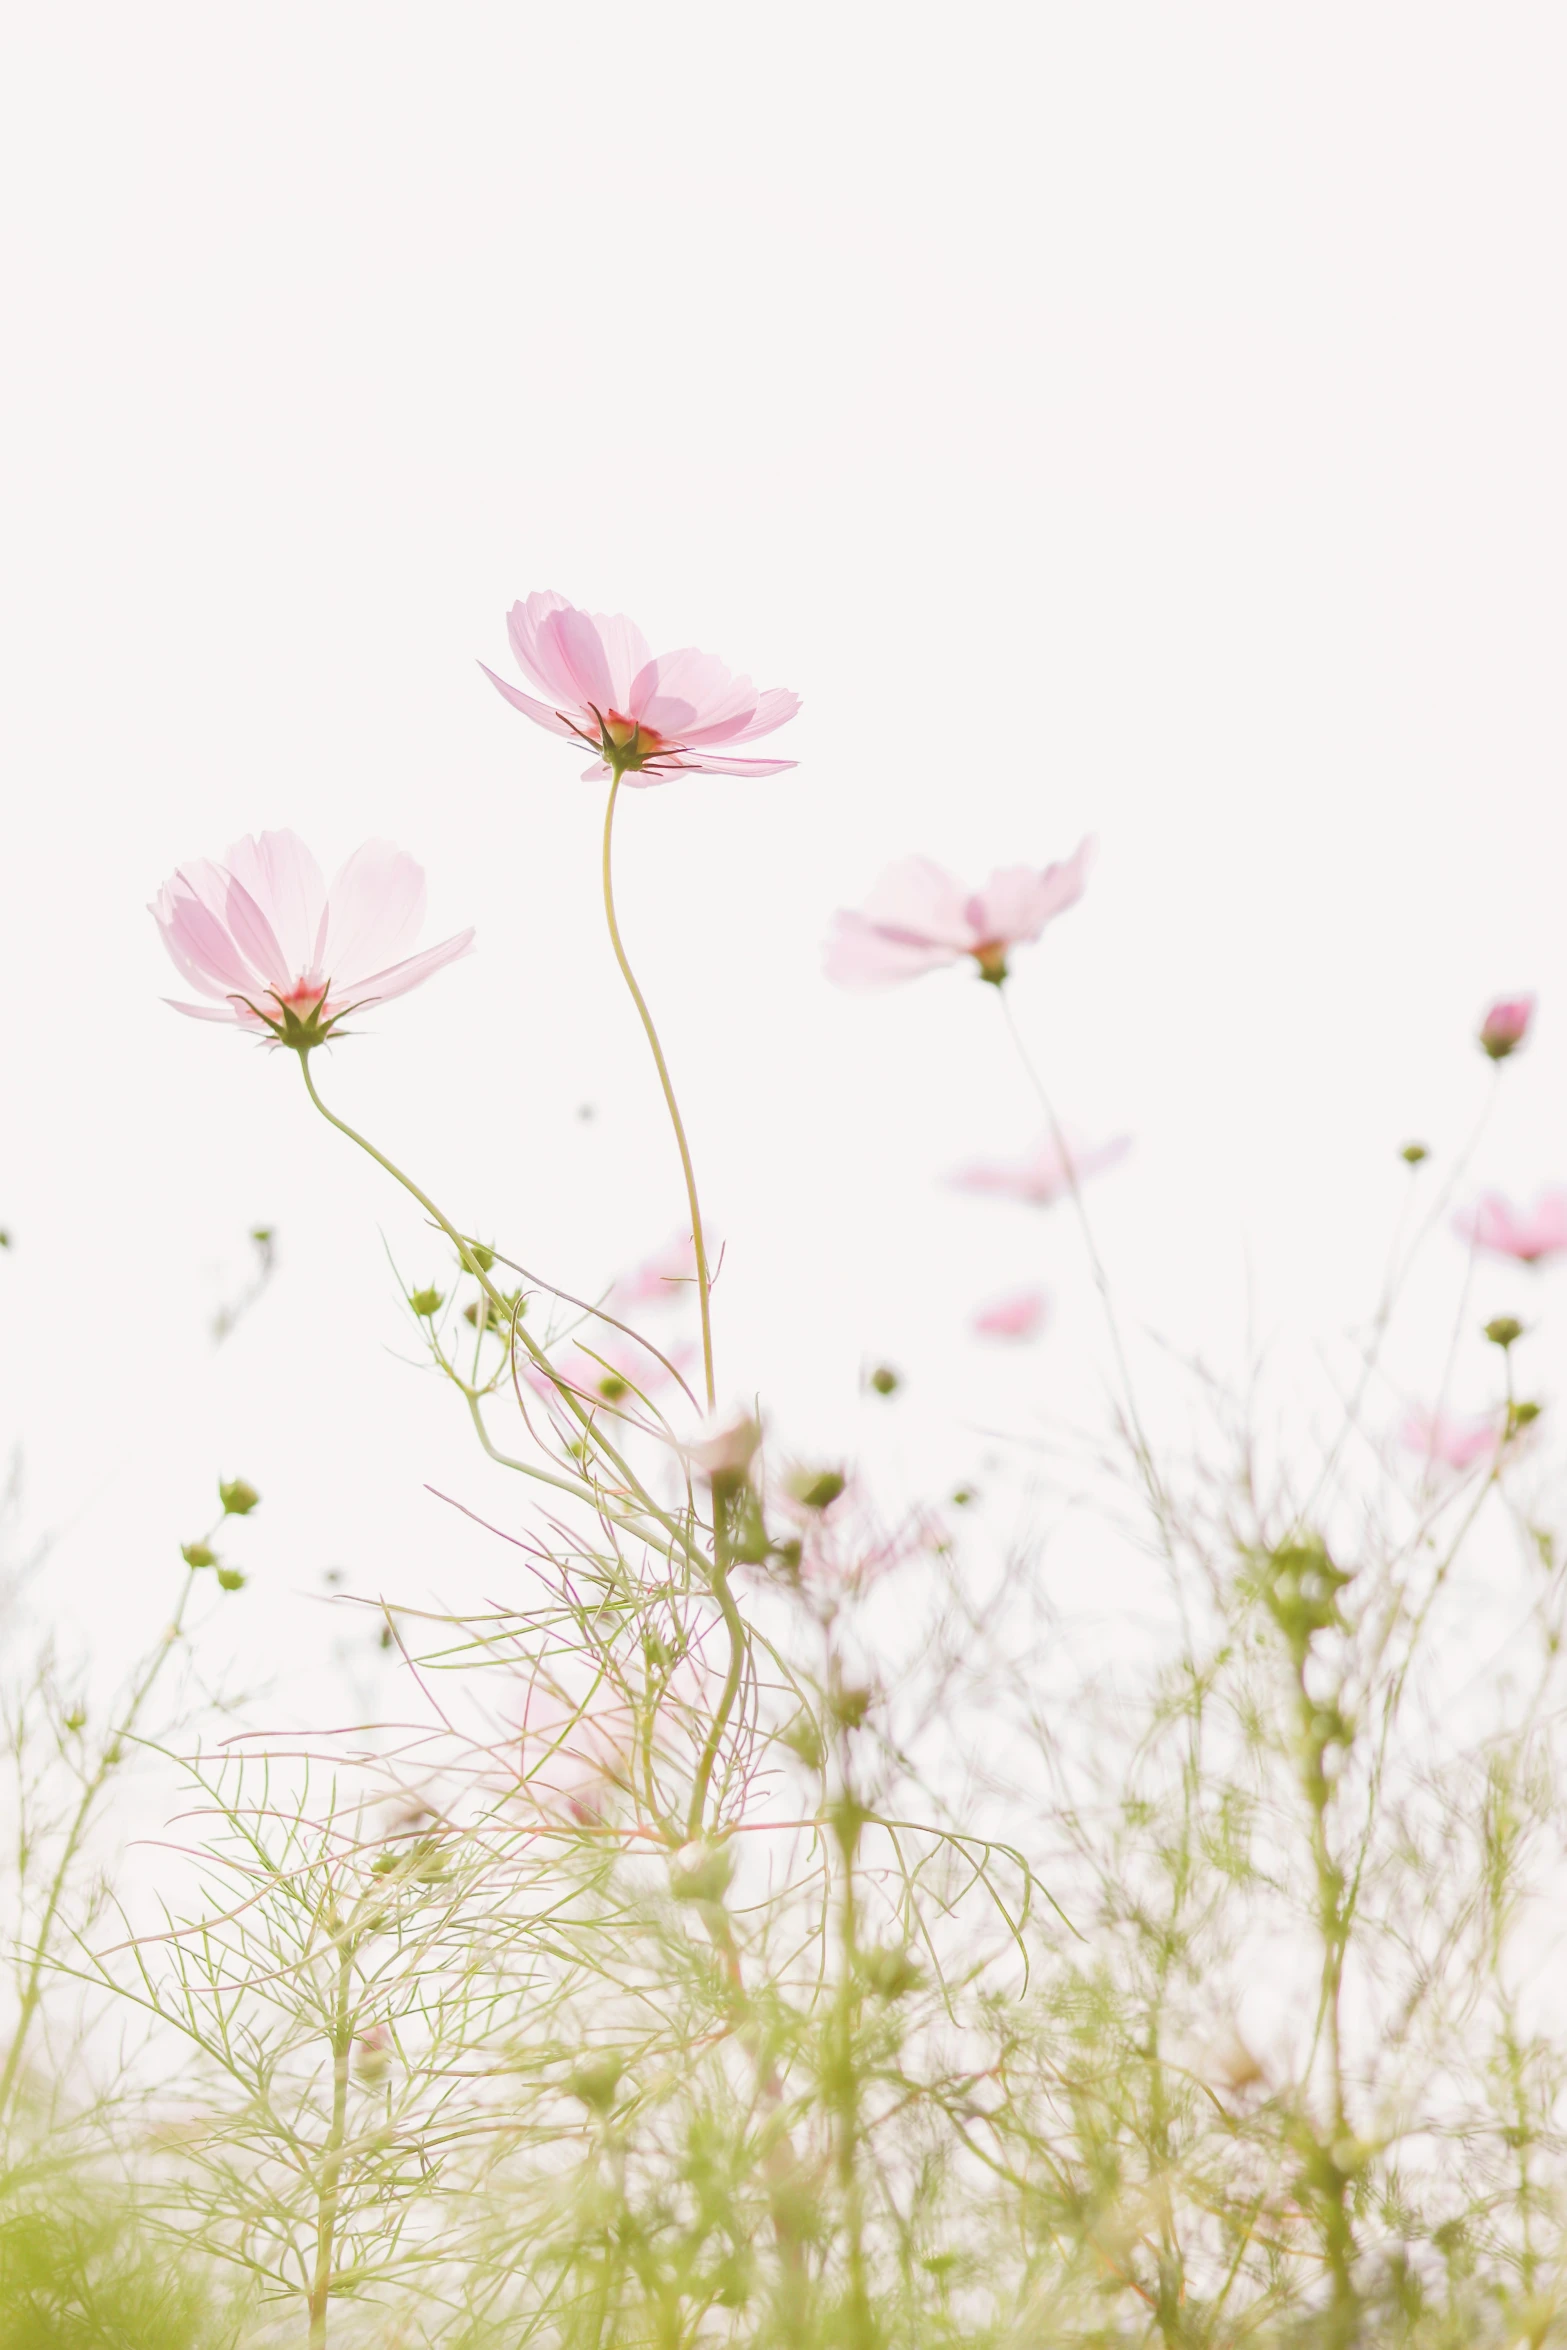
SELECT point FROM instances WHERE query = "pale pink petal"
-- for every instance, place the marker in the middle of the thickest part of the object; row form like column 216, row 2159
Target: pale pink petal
column 1454, row 1444
column 539, row 712
column 626, row 653
column 380, row 986
column 256, row 939
column 774, row 708
column 1529, row 1235
column 915, row 900
column 690, row 697
column 664, row 1278
column 575, row 653
column 523, row 624
column 1044, row 1175
column 860, row 955
column 1018, row 1315
column 376, row 911
column 226, row 1012
column 198, row 943
column 284, row 880
column 711, row 763
column 1017, row 902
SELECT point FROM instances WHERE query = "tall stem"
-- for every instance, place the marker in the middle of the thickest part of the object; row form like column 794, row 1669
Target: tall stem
column 703, row 1280
column 110, row 1755
column 329, row 2193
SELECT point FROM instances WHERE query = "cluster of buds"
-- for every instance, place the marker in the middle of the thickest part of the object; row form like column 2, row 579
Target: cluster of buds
column 238, row 1500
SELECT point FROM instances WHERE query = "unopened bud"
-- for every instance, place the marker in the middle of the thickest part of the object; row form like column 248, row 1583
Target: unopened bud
column 238, row 1498
column 595, row 2082
column 479, row 1255
column 197, row 1554
column 1413, row 1152
column 230, row 1579
column 426, row 1303
column 700, row 1871
column 884, row 1380
column 1505, row 1026
column 724, row 1448
column 816, row 1489
column 1504, row 1331
column 1521, row 1416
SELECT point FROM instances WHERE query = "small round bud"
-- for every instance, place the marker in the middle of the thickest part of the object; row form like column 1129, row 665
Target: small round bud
column 238, row 1498
column 76, row 1719
column 884, row 1380
column 373, row 2054
column 426, row 1303
column 888, row 1972
column 700, row 1871
column 1413, row 1152
column 230, row 1579
column 1521, row 1416
column 5, row 1237
column 197, row 1554
column 479, row 1255
column 1504, row 1331
column 595, row 2081
column 816, row 1489
column 963, row 1497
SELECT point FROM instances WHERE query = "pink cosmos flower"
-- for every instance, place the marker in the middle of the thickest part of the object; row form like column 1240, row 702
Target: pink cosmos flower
column 1021, row 1314
column 663, row 1279
column 1506, row 1025
column 285, row 956
column 1446, row 1442
column 645, row 716
column 610, row 1369
column 918, row 918
column 1045, row 1174
column 1529, row 1234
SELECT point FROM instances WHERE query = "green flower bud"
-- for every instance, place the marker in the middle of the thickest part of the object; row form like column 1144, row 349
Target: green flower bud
column 1413, row 1152
column 884, row 1380
column 479, row 1255
column 76, row 1719
column 1521, row 1416
column 238, row 1498
column 889, row 1973
column 804, row 1739
column 230, row 1579
column 426, row 1303
column 701, row 1872
column 1504, row 1331
column 595, row 2081
column 196, row 1554
column 816, row 1489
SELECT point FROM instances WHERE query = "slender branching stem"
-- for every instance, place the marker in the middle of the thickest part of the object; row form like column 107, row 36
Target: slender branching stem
column 703, row 1279
column 330, row 2184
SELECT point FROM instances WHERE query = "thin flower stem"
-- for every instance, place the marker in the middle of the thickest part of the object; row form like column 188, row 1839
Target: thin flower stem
column 110, row 1755
column 703, row 1280
column 1140, row 1445
column 734, row 1625
column 470, row 1264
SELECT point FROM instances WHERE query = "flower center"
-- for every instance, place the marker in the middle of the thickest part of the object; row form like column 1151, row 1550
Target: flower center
column 626, row 744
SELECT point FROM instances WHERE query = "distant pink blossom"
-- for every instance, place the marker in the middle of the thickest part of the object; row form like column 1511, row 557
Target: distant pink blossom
column 1021, row 1314
column 1506, row 1025
column 284, row 955
column 1530, row 1234
column 647, row 715
column 1447, row 1442
column 725, row 1445
column 919, row 917
column 609, row 1368
column 1045, row 1174
column 663, row 1279
column 844, row 1547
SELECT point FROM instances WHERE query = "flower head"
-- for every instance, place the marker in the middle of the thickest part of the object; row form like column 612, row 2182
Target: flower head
column 918, row 918
column 1530, row 1235
column 663, row 1279
column 644, row 716
column 1021, row 1314
column 287, row 957
column 1445, row 1442
column 1046, row 1173
column 1506, row 1025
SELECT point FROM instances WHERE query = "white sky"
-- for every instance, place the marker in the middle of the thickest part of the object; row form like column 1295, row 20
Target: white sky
column 1128, row 419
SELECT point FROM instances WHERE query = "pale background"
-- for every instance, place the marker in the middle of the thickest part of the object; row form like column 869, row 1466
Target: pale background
column 1128, row 419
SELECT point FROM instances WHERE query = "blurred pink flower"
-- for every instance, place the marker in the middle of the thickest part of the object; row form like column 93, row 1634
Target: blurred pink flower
column 1045, row 1174
column 663, row 1279
column 649, row 715
column 284, row 955
column 844, row 1547
column 725, row 1445
column 1447, row 1442
column 918, row 918
column 609, row 1368
column 1019, row 1315
column 1529, row 1234
column 1506, row 1025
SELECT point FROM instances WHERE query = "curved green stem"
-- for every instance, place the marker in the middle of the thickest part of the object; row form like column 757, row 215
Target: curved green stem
column 703, row 1279
column 470, row 1263
column 734, row 1625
